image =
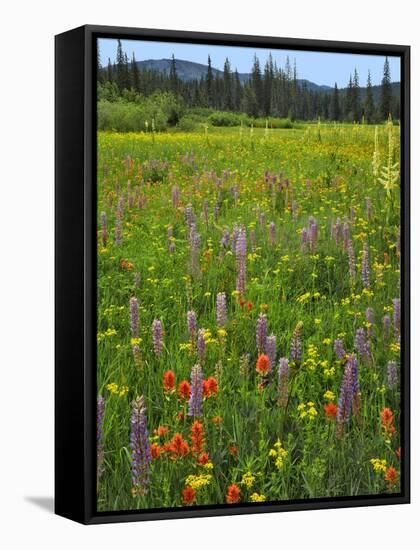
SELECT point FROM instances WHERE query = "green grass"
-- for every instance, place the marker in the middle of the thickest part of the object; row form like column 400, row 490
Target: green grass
column 328, row 171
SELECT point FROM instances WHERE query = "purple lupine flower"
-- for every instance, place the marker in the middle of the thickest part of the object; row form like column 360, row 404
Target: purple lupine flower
column 352, row 213
column 136, row 279
column 138, row 361
column 312, row 233
column 304, row 239
column 346, row 235
column 189, row 215
column 392, row 374
column 360, row 342
column 100, row 411
column 240, row 251
column 397, row 318
column 140, row 448
column 261, row 333
column 196, row 397
column 201, row 345
column 192, row 325
column 118, row 230
column 271, row 349
column 370, row 318
column 120, row 206
column 296, row 344
column 134, row 317
column 365, row 266
column 157, row 334
column 195, row 242
column 386, row 324
column 261, row 219
column 172, row 247
column 347, row 394
column 272, row 230
column 235, row 233
column 339, row 349
column 283, row 382
column 221, row 311
column 175, row 196
column 352, row 263
column 104, row 228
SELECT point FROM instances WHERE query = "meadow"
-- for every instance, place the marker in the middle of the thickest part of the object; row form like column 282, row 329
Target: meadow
column 248, row 315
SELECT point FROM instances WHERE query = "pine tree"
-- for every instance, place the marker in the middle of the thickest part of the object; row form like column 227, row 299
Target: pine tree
column 227, row 86
column 335, row 105
column 257, row 84
column 268, row 84
column 356, row 97
column 173, row 76
column 209, row 83
column 386, row 93
column 135, row 77
column 237, row 91
column 369, row 107
column 349, row 101
column 120, row 68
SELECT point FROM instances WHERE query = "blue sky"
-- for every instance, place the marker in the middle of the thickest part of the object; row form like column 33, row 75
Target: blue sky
column 318, row 67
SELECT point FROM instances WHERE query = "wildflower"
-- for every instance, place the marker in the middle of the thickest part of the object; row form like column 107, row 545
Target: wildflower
column 312, row 233
column 283, row 382
column 261, row 333
column 263, row 364
column 392, row 374
column 188, row 495
column 387, row 422
column 296, row 344
column 140, row 448
column 398, row 453
column 329, row 395
column 196, row 397
column 184, row 390
column 177, row 447
column 348, row 393
column 360, row 342
column 217, row 419
column 233, row 494
column 203, row 459
column 136, row 280
column 330, row 411
column 197, row 438
column 352, row 263
column 221, row 313
column 248, row 480
column 199, row 481
column 169, row 381
column 391, row 477
column 192, row 325
column 271, row 348
column 370, row 318
column 304, row 239
column 155, row 450
column 397, row 317
column 378, row 465
column 157, row 333
column 240, row 252
column 233, row 450
column 134, row 317
column 365, row 266
column 100, row 411
column 255, row 497
column 210, row 387
column 162, row 431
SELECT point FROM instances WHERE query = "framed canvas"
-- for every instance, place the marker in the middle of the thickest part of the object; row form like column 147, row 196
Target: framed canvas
column 232, row 274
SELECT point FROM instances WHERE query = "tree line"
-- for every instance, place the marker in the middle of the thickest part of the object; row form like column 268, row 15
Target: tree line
column 270, row 91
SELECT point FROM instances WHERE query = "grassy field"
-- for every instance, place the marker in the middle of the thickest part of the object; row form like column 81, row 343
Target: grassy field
column 283, row 380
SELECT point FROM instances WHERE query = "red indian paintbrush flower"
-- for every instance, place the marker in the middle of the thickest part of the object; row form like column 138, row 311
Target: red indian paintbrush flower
column 387, row 421
column 188, row 495
column 330, row 411
column 391, row 477
column 203, row 458
column 177, row 447
column 197, row 438
column 210, row 386
column 263, row 364
column 169, row 380
column 184, row 390
column 233, row 494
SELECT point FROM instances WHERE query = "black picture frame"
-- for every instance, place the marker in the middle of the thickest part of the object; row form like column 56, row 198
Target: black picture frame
column 75, row 272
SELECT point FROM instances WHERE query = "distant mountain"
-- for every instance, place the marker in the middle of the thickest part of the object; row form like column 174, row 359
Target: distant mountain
column 189, row 70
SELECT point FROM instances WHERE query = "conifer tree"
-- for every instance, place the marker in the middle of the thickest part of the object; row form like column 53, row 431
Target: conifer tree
column 369, row 108
column 356, row 97
column 209, row 83
column 257, row 84
column 386, row 93
column 227, row 86
column 173, row 76
column 335, row 105
column 349, row 101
